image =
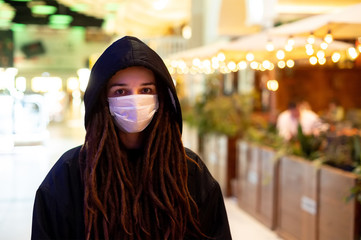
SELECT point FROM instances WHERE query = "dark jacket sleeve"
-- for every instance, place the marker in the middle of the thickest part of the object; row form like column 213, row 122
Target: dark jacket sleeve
column 48, row 217
column 213, row 215
column 58, row 206
column 208, row 195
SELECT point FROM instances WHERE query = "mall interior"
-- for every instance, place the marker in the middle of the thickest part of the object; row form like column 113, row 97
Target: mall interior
column 237, row 66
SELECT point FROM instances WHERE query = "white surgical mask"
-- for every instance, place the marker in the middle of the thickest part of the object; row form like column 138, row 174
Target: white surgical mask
column 133, row 113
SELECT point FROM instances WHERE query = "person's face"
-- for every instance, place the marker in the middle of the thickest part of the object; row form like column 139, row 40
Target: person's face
column 295, row 112
column 132, row 80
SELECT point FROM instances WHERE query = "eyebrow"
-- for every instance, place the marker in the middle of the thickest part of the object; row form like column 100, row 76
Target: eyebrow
column 123, row 84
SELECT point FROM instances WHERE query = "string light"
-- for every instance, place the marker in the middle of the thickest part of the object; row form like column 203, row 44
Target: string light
column 336, row 56
column 242, row 65
column 272, row 85
column 280, row 54
column 313, row 60
column 290, row 63
column 309, row 49
column 328, row 38
column 322, row 61
column 320, row 54
column 311, row 38
column 250, row 57
column 352, row 53
column 269, row 46
column 324, row 45
column 281, row 64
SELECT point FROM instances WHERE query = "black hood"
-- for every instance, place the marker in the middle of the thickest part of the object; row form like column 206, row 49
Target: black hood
column 127, row 52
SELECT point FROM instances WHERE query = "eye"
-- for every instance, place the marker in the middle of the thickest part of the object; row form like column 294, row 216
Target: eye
column 117, row 92
column 120, row 92
column 147, row 91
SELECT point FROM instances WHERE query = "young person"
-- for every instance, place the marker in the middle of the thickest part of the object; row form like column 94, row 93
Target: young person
column 132, row 178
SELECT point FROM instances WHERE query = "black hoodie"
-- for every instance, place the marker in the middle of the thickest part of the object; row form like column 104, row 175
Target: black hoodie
column 58, row 207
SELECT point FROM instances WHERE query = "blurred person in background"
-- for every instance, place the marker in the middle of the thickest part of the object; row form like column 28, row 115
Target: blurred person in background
column 132, row 178
column 295, row 115
column 334, row 112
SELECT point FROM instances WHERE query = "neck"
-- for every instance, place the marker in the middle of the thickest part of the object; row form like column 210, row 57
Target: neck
column 131, row 140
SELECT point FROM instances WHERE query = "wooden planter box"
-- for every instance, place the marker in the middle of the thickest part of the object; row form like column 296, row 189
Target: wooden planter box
column 266, row 211
column 248, row 175
column 338, row 219
column 257, row 174
column 297, row 199
column 215, row 157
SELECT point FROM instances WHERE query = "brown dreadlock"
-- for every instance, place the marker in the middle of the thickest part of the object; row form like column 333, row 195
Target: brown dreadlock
column 148, row 199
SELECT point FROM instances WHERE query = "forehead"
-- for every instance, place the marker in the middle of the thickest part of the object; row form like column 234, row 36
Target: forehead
column 132, row 75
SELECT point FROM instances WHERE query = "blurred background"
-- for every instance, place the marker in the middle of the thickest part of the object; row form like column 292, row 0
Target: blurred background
column 236, row 63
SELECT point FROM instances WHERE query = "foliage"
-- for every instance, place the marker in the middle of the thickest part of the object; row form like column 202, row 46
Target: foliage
column 307, row 146
column 219, row 113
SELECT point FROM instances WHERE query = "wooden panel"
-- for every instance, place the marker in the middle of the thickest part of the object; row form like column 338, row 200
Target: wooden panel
column 249, row 180
column 297, row 199
column 338, row 219
column 268, row 192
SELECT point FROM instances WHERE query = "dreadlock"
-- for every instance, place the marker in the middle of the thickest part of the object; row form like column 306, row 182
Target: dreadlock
column 143, row 199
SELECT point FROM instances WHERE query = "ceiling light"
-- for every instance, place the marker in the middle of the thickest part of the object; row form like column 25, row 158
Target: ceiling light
column 79, row 7
column 60, row 19
column 43, row 9
column 160, row 4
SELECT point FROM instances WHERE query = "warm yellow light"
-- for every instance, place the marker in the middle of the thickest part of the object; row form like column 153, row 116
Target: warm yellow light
column 271, row 67
column 206, row 63
column 242, row 65
column 254, row 65
column 281, row 64
column 174, row 63
column 311, row 39
column 187, row 32
column 272, row 85
column 261, row 68
column 313, row 60
column 290, row 63
column 320, row 54
column 182, row 64
column 336, row 56
column 322, row 61
column 232, row 66
column 269, row 46
column 215, row 65
column 280, row 54
column 288, row 48
column 160, row 4
column 266, row 64
column 196, row 62
column 171, row 70
column 221, row 57
column 328, row 38
column 72, row 84
column 250, row 57
column 324, row 45
column 309, row 49
column 352, row 53
column 291, row 41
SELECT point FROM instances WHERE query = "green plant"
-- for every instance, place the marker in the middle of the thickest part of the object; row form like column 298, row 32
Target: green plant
column 219, row 113
column 310, row 146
